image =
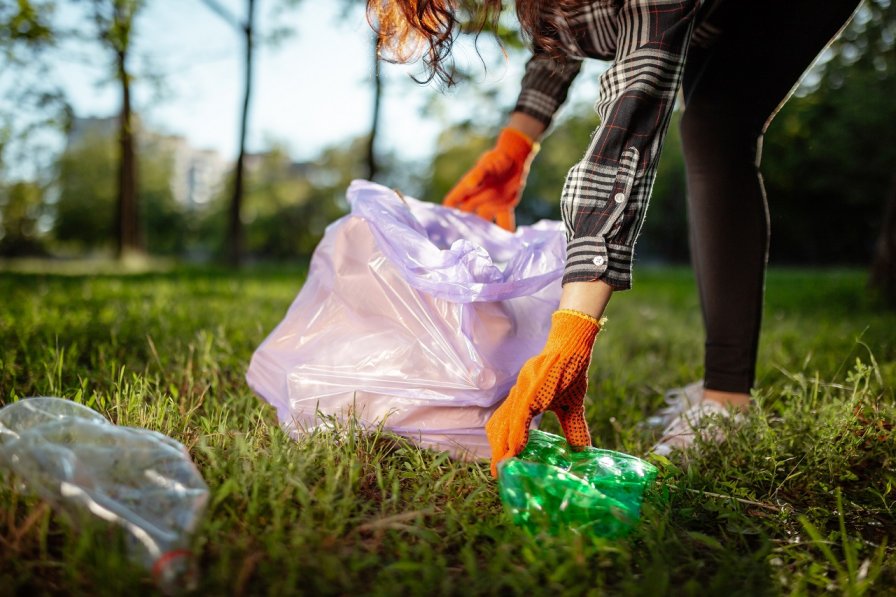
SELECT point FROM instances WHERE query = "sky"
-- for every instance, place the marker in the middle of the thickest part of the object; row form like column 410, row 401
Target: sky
column 311, row 90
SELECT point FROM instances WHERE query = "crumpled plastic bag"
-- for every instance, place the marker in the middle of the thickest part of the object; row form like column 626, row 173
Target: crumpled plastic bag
column 139, row 480
column 551, row 487
column 414, row 316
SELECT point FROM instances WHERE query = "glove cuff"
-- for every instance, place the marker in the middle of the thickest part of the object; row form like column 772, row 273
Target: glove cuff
column 599, row 323
column 515, row 144
column 573, row 332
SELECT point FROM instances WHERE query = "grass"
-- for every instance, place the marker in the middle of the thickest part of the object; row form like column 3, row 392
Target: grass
column 800, row 500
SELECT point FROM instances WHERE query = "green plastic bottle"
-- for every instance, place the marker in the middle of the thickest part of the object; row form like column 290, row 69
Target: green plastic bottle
column 550, row 487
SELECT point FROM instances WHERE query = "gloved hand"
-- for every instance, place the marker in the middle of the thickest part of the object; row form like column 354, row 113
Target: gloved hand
column 492, row 188
column 554, row 380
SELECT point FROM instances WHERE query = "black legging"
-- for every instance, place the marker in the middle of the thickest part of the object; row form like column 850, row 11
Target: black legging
column 732, row 91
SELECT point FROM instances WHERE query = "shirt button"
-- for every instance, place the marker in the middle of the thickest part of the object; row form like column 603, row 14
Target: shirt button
column 598, row 260
column 619, row 197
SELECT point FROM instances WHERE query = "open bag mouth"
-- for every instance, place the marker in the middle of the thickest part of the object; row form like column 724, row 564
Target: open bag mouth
column 456, row 255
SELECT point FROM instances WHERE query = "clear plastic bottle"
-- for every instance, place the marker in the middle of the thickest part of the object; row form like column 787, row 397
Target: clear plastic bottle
column 83, row 465
column 548, row 486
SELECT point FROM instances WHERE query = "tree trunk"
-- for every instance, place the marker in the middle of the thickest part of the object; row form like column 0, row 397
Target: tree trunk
column 883, row 269
column 372, row 166
column 235, row 254
column 129, row 238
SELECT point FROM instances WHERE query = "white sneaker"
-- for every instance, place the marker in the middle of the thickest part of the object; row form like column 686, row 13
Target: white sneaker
column 678, row 400
column 683, row 430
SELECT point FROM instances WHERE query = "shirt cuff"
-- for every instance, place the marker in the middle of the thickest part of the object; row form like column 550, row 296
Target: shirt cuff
column 545, row 86
column 591, row 258
column 540, row 106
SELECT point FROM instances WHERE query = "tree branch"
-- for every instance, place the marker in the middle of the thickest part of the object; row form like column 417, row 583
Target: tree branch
column 219, row 9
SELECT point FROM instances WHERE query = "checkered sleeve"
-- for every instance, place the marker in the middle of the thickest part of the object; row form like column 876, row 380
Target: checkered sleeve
column 545, row 85
column 605, row 196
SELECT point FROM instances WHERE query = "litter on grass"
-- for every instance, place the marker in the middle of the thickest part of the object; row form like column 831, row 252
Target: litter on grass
column 549, row 486
column 139, row 480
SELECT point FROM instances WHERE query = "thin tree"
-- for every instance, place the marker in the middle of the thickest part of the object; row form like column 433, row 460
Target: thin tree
column 372, row 165
column 472, row 26
column 246, row 28
column 114, row 22
column 883, row 268
column 377, row 88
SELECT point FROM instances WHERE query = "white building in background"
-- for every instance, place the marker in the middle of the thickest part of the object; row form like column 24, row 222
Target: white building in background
column 197, row 175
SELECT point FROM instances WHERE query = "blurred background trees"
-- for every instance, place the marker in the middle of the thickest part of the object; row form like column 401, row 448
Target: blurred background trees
column 829, row 161
column 115, row 28
column 87, row 193
column 826, row 163
column 247, row 28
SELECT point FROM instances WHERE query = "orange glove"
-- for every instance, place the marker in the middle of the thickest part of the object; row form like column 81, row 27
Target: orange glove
column 554, row 380
column 492, row 188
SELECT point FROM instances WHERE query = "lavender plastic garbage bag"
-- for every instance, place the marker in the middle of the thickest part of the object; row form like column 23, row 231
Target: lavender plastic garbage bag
column 415, row 314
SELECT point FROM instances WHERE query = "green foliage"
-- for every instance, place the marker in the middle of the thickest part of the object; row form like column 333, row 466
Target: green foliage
column 828, row 165
column 114, row 21
column 26, row 22
column 87, row 175
column 21, row 207
column 869, row 41
column 799, row 501
column 829, row 160
column 457, row 150
column 85, row 211
column 284, row 215
column 168, row 224
column 563, row 148
column 855, row 579
column 288, row 205
column 31, row 101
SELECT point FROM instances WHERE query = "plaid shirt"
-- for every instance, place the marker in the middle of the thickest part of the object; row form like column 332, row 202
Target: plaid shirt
column 605, row 197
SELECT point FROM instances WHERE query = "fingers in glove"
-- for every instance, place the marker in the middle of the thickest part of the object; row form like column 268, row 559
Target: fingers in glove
column 467, row 187
column 519, row 433
column 569, row 406
column 486, row 199
column 575, row 428
column 496, row 429
column 490, row 172
column 506, row 219
column 504, row 430
column 456, row 196
column 488, row 212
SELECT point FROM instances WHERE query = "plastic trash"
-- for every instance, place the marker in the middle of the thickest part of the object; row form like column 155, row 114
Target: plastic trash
column 548, row 486
column 413, row 314
column 86, row 467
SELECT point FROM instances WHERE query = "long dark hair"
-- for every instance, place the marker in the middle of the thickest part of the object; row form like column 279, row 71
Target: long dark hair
column 426, row 29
